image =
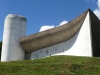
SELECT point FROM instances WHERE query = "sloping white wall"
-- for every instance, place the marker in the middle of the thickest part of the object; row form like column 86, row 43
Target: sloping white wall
column 14, row 28
column 79, row 45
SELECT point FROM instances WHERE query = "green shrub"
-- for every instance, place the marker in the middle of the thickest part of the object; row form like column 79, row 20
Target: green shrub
column 0, row 48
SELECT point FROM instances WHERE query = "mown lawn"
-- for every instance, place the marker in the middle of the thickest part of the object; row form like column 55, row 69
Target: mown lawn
column 54, row 65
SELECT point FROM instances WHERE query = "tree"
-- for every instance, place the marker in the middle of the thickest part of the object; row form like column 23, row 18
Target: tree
column 0, row 48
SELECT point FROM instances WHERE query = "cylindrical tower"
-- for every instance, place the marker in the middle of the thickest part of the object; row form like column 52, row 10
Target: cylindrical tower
column 14, row 28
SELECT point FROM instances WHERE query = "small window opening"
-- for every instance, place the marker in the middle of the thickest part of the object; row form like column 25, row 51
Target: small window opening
column 55, row 49
column 47, row 52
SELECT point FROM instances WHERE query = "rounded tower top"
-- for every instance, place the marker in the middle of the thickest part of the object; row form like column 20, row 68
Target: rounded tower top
column 14, row 16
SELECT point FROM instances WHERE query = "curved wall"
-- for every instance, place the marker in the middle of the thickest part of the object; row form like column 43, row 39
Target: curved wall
column 79, row 45
column 14, row 28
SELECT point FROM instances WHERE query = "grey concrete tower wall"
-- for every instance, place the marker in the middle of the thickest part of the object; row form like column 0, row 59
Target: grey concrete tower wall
column 14, row 28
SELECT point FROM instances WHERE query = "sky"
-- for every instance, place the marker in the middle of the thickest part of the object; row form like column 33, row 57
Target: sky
column 45, row 14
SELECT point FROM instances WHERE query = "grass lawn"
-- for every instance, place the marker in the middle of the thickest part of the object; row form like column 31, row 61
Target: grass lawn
column 54, row 65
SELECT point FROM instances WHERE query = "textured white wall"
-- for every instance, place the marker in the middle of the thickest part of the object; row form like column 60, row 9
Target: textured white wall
column 79, row 45
column 14, row 28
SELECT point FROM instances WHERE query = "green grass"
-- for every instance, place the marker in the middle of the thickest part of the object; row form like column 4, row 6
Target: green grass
column 54, row 65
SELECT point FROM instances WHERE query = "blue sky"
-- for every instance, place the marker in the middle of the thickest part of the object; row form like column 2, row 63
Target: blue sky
column 42, row 13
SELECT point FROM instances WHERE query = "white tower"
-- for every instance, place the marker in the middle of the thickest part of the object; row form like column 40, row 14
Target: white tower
column 14, row 28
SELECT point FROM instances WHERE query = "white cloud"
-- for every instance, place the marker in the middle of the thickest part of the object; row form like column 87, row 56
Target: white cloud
column 98, row 3
column 88, row 1
column 97, row 10
column 46, row 27
column 63, row 22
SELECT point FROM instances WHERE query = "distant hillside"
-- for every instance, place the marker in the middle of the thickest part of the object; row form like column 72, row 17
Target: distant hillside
column 54, row 65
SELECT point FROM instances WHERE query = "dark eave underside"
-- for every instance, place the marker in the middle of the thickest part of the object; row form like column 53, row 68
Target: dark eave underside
column 52, row 36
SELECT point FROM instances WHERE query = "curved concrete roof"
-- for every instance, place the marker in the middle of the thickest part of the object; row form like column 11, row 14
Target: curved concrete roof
column 52, row 36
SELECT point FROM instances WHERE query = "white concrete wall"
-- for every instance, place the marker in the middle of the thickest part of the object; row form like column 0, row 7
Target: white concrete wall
column 79, row 45
column 14, row 28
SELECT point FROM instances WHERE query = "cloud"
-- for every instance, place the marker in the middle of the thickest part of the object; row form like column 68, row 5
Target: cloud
column 97, row 10
column 46, row 27
column 88, row 1
column 98, row 3
column 63, row 22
